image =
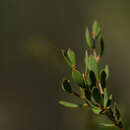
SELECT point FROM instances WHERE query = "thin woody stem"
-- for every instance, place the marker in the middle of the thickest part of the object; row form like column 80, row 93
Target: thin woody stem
column 100, row 87
column 77, row 95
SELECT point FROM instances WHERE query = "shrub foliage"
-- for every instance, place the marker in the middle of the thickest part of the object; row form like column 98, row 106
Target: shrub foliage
column 92, row 83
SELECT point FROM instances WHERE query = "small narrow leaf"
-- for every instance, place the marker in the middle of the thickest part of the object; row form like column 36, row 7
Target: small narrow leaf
column 93, row 65
column 96, row 30
column 88, row 94
column 66, row 58
column 105, row 97
column 77, row 77
column 101, row 50
column 86, row 62
column 108, row 125
column 116, row 111
column 88, row 39
column 71, row 56
column 72, row 105
column 68, row 104
column 94, row 108
column 82, row 91
column 103, row 79
column 121, row 125
column 91, row 79
column 107, row 71
column 66, row 86
column 109, row 101
column 96, row 95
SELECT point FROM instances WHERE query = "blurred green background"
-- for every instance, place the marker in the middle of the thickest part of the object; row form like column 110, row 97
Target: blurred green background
column 32, row 32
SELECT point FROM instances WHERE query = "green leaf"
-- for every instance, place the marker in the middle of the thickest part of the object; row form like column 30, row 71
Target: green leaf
column 66, row 58
column 94, row 108
column 88, row 94
column 77, row 77
column 96, row 30
column 71, row 56
column 109, row 101
column 121, row 125
column 108, row 125
column 86, row 62
column 68, row 104
column 103, row 79
column 88, row 39
column 107, row 71
column 116, row 111
column 101, row 50
column 82, row 91
column 105, row 97
column 91, row 79
column 72, row 105
column 96, row 95
column 66, row 86
column 93, row 65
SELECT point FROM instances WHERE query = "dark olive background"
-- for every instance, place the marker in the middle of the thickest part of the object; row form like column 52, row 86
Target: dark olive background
column 32, row 32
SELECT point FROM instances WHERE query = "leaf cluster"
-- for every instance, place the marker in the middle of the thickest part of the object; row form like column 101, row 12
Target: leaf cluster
column 92, row 83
